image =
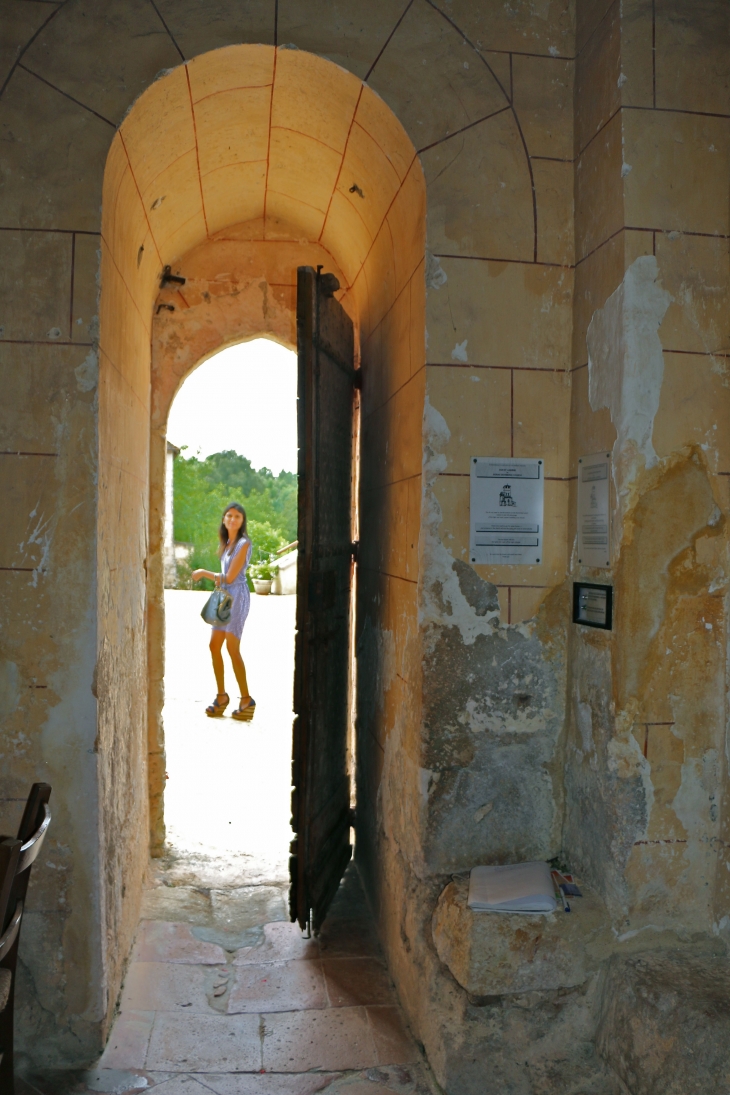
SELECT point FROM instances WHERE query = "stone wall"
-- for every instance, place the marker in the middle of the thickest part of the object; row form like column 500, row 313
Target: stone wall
column 646, row 760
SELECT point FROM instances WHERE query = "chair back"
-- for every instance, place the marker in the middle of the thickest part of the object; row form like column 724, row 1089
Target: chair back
column 9, row 858
column 16, row 859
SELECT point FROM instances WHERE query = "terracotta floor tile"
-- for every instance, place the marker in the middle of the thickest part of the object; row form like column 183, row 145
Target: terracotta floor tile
column 164, row 941
column 270, row 1083
column 127, row 1045
column 393, row 1042
column 336, row 1038
column 282, row 941
column 166, row 986
column 352, row 981
column 285, row 986
column 200, row 1043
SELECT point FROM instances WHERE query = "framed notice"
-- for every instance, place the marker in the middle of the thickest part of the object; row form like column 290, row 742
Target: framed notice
column 593, row 605
column 506, row 513
column 594, row 512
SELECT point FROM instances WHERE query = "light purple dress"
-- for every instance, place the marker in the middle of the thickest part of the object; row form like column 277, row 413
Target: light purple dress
column 238, row 590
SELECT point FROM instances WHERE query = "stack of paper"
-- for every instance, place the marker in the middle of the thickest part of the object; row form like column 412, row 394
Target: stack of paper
column 517, row 887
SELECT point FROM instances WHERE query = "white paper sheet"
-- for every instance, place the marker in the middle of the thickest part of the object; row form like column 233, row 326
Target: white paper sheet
column 516, row 887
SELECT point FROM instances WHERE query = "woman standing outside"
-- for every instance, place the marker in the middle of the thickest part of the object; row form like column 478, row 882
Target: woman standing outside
column 234, row 551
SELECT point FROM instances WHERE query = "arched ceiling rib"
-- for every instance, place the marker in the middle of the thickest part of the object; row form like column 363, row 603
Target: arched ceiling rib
column 281, row 140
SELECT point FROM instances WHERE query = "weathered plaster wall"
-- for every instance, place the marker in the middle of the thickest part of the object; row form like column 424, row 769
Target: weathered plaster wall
column 647, row 757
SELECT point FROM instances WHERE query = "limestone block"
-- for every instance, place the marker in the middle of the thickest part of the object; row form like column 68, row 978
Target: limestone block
column 679, row 169
column 20, row 22
column 433, row 79
column 554, row 198
column 696, row 271
column 85, row 303
column 514, row 26
column 692, row 38
column 693, row 409
column 485, row 167
column 35, row 285
column 347, row 32
column 597, row 72
column 490, row 954
column 599, row 212
column 461, row 315
column 541, row 418
column 543, row 100
column 198, row 28
column 103, row 55
column 475, row 404
column 638, row 31
column 665, row 1023
column 48, row 132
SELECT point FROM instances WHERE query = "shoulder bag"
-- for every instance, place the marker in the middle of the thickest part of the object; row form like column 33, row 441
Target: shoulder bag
column 217, row 609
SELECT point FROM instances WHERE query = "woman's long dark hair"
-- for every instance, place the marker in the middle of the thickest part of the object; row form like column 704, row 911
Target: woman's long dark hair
column 223, row 531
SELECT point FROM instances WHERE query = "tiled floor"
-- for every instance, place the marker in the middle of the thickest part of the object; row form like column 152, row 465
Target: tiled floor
column 282, row 1015
column 223, row 994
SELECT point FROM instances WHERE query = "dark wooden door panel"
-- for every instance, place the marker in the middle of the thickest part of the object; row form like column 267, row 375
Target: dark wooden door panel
column 320, row 782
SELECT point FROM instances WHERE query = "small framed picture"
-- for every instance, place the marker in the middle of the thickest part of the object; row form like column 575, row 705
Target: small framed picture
column 593, row 605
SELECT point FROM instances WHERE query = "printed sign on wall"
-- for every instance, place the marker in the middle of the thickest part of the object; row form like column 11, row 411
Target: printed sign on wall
column 594, row 512
column 507, row 501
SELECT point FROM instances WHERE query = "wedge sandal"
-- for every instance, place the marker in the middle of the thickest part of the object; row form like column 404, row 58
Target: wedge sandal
column 214, row 710
column 245, row 714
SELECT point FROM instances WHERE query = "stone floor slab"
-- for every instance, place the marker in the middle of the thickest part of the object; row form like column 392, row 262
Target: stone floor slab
column 98, row 1081
column 165, row 941
column 282, row 942
column 353, row 981
column 270, row 1083
column 181, row 1085
column 204, row 1043
column 127, row 1045
column 167, row 986
column 332, row 1039
column 284, row 986
column 348, row 938
column 392, row 1040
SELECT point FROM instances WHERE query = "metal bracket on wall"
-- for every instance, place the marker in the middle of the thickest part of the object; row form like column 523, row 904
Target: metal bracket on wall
column 168, row 278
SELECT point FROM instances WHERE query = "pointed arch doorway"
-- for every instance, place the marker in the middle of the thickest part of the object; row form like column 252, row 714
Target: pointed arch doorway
column 249, row 162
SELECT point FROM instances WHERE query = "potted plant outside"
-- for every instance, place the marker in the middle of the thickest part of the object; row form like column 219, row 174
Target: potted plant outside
column 262, row 575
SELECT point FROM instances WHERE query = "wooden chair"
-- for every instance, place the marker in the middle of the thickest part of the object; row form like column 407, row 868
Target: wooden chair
column 16, row 859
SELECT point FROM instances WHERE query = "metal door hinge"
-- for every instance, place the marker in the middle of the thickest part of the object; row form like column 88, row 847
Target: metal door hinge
column 168, row 278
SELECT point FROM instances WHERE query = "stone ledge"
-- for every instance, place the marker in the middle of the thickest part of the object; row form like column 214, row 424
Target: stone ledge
column 490, row 954
column 665, row 1023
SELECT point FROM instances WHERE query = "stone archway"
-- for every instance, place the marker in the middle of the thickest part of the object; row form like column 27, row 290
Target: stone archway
column 279, row 157
column 236, row 289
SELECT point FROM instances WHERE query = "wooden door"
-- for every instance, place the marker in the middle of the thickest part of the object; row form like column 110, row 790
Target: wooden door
column 321, row 848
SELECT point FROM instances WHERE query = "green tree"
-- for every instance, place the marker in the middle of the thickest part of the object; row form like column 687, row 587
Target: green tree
column 203, row 488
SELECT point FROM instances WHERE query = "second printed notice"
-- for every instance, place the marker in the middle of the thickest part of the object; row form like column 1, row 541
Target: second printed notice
column 506, row 520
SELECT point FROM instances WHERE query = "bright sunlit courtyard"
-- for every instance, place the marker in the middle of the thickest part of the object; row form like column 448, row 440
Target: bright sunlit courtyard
column 227, row 795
